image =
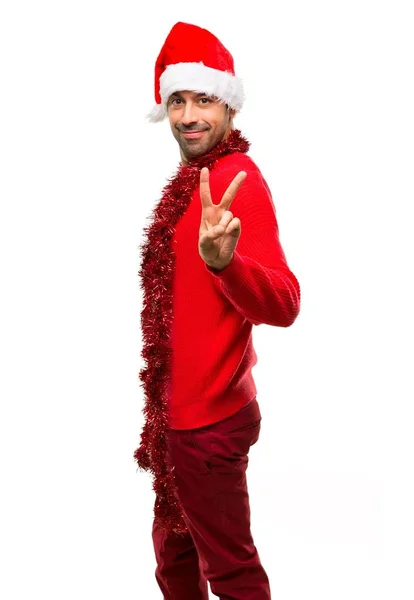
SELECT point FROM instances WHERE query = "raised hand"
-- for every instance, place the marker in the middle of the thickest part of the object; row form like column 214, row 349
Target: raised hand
column 219, row 230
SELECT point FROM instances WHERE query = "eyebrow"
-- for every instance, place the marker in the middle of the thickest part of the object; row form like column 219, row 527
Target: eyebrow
column 198, row 94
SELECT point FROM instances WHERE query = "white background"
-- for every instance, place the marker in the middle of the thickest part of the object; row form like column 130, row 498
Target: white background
column 329, row 114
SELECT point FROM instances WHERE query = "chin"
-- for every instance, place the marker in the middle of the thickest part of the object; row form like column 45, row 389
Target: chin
column 195, row 150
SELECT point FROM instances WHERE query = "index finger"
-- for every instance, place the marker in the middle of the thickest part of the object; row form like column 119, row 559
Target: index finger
column 205, row 194
column 232, row 189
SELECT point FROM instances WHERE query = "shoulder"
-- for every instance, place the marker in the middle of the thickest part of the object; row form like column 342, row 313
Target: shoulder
column 226, row 169
column 237, row 161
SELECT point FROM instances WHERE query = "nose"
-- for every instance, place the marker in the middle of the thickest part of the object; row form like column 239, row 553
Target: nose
column 189, row 114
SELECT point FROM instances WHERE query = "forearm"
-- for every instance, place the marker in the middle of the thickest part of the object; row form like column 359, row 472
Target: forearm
column 261, row 294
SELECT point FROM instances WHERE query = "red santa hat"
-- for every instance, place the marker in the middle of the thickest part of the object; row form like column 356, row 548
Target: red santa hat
column 193, row 59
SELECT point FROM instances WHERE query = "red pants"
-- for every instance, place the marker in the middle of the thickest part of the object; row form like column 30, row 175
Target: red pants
column 210, row 466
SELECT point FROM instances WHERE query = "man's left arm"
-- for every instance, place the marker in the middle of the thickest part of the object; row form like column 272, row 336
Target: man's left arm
column 258, row 281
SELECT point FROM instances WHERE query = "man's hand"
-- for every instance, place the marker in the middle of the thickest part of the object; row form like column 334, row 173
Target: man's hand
column 219, row 231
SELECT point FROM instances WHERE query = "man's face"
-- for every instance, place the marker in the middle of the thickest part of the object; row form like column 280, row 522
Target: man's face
column 198, row 122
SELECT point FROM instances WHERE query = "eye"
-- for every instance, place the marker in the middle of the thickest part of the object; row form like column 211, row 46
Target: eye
column 175, row 100
column 205, row 100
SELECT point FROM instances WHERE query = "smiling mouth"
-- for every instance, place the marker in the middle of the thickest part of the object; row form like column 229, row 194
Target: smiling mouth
column 192, row 134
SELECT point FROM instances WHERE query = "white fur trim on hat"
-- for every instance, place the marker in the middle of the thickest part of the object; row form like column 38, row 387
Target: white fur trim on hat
column 197, row 77
column 158, row 113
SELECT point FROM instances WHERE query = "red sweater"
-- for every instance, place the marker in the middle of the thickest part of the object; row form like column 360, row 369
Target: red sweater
column 214, row 311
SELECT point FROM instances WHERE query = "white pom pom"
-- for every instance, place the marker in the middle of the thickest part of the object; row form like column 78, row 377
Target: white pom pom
column 158, row 113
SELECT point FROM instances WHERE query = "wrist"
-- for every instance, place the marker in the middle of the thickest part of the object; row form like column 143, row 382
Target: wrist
column 218, row 266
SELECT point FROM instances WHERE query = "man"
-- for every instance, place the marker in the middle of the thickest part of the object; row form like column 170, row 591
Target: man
column 212, row 267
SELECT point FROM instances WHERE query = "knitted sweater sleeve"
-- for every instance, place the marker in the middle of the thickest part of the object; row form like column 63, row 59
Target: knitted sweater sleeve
column 257, row 281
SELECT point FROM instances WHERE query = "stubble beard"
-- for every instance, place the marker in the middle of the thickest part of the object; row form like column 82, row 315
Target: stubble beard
column 193, row 149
